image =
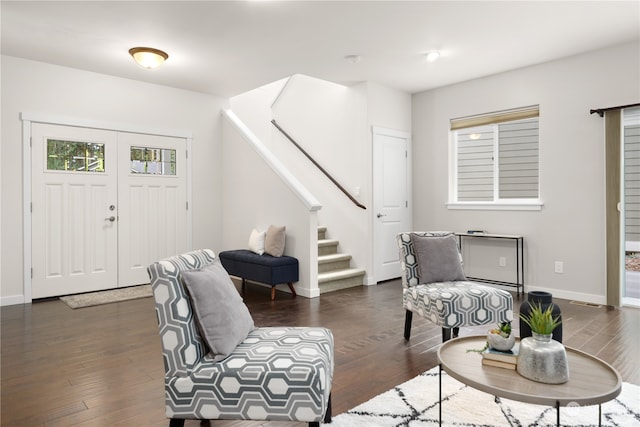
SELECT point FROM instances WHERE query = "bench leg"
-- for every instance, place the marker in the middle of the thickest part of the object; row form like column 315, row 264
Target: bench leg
column 293, row 290
column 273, row 292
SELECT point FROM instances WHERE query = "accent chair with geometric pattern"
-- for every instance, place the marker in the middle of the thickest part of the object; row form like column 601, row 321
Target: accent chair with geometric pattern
column 275, row 373
column 434, row 286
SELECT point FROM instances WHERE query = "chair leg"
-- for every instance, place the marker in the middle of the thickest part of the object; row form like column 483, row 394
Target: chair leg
column 327, row 414
column 273, row 292
column 176, row 422
column 408, row 316
column 448, row 333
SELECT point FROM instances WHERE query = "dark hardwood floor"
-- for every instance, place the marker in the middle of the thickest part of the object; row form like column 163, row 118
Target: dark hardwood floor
column 102, row 365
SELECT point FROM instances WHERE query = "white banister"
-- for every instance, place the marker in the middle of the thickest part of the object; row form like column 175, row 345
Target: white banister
column 276, row 165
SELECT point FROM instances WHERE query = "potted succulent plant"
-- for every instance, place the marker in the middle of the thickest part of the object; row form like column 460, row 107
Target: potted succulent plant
column 499, row 338
column 541, row 321
column 541, row 358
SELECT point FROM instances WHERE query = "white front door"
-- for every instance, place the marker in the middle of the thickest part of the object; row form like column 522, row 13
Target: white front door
column 74, row 228
column 105, row 205
column 390, row 199
column 152, row 190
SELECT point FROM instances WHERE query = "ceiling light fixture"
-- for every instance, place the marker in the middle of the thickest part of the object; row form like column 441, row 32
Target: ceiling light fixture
column 432, row 56
column 148, row 57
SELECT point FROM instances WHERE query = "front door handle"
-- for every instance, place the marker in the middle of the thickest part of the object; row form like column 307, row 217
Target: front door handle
column 110, row 218
column 380, row 215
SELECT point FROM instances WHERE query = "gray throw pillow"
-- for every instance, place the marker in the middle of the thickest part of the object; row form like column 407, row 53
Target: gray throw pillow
column 223, row 318
column 274, row 240
column 438, row 258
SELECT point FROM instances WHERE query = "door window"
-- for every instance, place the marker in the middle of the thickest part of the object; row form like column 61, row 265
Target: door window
column 153, row 161
column 74, row 156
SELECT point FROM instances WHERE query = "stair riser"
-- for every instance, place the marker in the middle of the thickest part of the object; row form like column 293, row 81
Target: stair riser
column 336, row 285
column 333, row 266
column 327, row 250
column 322, row 235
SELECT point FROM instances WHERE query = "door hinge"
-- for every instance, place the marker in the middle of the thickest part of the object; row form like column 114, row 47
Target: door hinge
column 30, row 141
column 31, row 207
column 32, row 272
column 406, row 203
column 187, row 204
column 186, row 154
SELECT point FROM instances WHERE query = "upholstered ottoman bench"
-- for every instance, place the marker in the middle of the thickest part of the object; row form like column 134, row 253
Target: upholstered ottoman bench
column 265, row 268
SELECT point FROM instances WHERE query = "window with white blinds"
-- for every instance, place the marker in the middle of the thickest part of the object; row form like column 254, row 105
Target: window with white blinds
column 496, row 157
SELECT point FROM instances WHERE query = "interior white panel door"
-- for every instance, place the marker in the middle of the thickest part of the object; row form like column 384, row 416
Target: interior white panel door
column 390, row 199
column 74, row 231
column 153, row 203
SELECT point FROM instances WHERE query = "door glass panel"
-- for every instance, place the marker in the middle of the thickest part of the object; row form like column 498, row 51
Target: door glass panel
column 631, row 214
column 153, row 161
column 74, row 156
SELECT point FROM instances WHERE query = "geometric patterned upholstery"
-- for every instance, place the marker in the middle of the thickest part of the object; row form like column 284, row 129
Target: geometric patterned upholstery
column 449, row 304
column 276, row 373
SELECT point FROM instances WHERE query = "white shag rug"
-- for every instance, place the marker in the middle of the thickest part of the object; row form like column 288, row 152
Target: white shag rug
column 415, row 404
column 105, row 297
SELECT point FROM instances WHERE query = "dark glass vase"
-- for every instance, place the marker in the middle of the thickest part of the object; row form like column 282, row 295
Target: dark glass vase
column 545, row 300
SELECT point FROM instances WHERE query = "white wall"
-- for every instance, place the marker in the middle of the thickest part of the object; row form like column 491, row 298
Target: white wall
column 571, row 225
column 36, row 87
column 333, row 124
column 254, row 196
column 328, row 121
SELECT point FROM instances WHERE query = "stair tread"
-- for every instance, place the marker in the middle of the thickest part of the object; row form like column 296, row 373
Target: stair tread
column 340, row 274
column 327, row 242
column 333, row 257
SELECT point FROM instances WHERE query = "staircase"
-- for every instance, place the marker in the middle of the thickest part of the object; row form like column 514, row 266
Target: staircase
column 334, row 269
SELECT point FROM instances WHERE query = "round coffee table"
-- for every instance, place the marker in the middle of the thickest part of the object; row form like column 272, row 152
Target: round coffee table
column 591, row 380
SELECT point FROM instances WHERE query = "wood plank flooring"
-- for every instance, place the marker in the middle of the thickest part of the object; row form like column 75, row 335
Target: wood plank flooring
column 100, row 366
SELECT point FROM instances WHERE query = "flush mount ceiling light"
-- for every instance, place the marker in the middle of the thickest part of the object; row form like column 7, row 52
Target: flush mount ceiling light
column 432, row 55
column 148, row 57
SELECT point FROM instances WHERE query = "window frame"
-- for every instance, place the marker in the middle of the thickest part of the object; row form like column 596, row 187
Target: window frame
column 497, row 203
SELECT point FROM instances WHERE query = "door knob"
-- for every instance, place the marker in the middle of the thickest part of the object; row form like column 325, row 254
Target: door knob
column 110, row 218
column 380, row 215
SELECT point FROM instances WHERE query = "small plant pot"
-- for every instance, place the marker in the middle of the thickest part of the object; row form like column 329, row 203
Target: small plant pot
column 500, row 343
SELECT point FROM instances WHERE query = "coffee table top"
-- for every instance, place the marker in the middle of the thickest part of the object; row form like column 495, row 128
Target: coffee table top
column 591, row 380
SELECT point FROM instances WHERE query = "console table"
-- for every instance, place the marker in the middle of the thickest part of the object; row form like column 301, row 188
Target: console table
column 591, row 380
column 519, row 248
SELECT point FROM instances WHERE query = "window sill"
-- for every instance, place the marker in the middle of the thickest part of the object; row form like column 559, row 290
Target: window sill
column 499, row 206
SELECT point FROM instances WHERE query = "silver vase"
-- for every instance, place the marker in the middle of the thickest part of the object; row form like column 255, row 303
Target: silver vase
column 542, row 359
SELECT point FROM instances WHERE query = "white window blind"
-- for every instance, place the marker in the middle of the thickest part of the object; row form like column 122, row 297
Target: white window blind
column 496, row 156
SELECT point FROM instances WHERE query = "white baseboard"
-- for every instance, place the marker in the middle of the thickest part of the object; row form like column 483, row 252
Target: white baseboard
column 12, row 300
column 573, row 296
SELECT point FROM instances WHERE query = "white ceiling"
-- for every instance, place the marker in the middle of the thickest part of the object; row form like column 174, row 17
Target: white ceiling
column 228, row 47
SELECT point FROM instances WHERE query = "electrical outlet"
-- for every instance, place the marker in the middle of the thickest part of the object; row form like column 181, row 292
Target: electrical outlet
column 559, row 267
column 502, row 261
